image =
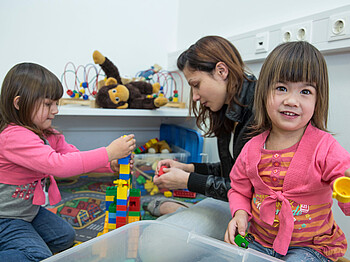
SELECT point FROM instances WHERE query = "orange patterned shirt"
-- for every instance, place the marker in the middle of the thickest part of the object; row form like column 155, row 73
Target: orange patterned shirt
column 309, row 220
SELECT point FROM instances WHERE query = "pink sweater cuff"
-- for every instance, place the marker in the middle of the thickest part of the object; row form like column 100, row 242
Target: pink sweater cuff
column 94, row 159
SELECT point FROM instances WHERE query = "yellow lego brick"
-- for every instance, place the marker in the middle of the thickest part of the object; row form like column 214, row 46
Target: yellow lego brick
column 123, row 193
column 111, row 226
column 110, row 198
column 149, row 185
column 133, row 219
column 124, row 169
column 168, row 194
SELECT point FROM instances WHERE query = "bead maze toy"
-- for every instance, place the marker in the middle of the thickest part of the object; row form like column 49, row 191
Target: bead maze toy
column 81, row 83
column 169, row 87
column 341, row 189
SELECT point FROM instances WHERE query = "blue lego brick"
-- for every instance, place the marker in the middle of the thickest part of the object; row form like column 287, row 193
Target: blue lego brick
column 124, row 176
column 122, row 213
column 122, row 202
column 124, row 161
column 112, row 215
column 112, row 220
column 107, row 203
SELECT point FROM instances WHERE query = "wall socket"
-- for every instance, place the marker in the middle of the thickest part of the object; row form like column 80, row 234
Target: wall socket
column 262, row 42
column 297, row 32
column 339, row 27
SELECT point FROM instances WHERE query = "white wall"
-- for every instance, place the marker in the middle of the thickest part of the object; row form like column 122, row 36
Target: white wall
column 227, row 18
column 134, row 34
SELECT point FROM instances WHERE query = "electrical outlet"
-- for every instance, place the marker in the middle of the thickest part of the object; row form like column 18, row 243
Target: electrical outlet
column 262, row 42
column 339, row 27
column 286, row 35
column 297, row 32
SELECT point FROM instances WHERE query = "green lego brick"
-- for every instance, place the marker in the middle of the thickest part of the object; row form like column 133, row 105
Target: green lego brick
column 111, row 191
column 112, row 207
column 134, row 192
column 141, row 180
column 134, row 213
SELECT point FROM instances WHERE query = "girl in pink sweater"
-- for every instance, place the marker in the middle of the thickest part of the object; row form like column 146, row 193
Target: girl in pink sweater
column 282, row 180
column 31, row 152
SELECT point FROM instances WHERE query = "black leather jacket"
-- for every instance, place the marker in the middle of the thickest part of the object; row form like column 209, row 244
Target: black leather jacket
column 212, row 179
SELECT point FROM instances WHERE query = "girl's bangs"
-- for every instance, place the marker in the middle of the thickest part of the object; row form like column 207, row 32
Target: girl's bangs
column 294, row 71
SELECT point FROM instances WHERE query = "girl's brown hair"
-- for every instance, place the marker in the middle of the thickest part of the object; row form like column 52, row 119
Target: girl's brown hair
column 32, row 83
column 203, row 56
column 292, row 62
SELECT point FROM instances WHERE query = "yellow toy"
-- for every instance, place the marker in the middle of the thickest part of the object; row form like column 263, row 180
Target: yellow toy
column 341, row 189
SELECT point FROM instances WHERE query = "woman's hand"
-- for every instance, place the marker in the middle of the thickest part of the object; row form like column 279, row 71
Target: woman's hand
column 237, row 225
column 173, row 178
column 172, row 163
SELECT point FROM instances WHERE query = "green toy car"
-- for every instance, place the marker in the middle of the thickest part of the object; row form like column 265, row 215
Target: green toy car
column 244, row 241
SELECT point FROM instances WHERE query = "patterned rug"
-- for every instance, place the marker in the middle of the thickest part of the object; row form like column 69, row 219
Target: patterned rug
column 83, row 203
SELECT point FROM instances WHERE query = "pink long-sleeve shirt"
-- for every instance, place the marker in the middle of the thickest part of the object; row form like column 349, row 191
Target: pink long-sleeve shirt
column 25, row 158
column 317, row 162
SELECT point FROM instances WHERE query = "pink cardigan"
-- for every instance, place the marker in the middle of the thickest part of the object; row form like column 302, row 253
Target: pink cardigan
column 25, row 158
column 318, row 161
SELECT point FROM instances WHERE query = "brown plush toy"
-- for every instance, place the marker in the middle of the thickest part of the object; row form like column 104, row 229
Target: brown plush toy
column 135, row 94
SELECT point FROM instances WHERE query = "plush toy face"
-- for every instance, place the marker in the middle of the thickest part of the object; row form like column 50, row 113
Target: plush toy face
column 113, row 96
column 118, row 94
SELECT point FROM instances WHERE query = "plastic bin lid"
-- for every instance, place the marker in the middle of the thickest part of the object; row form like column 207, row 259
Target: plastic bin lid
column 186, row 138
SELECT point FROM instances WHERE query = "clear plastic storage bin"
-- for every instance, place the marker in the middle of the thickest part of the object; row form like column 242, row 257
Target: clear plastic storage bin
column 177, row 153
column 156, row 241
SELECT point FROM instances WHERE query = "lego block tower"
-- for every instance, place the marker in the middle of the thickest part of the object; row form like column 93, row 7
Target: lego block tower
column 122, row 202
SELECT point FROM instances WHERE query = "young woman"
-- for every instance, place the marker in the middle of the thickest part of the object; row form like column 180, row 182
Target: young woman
column 222, row 99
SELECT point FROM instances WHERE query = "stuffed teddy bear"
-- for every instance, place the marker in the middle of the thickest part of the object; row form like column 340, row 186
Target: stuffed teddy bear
column 159, row 147
column 135, row 94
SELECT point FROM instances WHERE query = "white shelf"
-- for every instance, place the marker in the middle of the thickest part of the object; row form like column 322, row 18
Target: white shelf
column 78, row 110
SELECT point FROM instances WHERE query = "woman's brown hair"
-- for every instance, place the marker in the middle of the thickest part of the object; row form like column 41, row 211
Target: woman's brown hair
column 32, row 83
column 292, row 62
column 203, row 56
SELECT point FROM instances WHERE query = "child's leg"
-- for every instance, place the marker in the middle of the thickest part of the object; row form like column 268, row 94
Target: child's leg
column 56, row 232
column 20, row 242
column 294, row 254
column 301, row 254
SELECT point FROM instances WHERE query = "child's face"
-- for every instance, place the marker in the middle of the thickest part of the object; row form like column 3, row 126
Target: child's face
column 210, row 91
column 290, row 106
column 46, row 112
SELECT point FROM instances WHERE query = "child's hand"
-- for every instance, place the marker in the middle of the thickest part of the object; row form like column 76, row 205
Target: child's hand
column 121, row 147
column 238, row 224
column 115, row 166
column 347, row 172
